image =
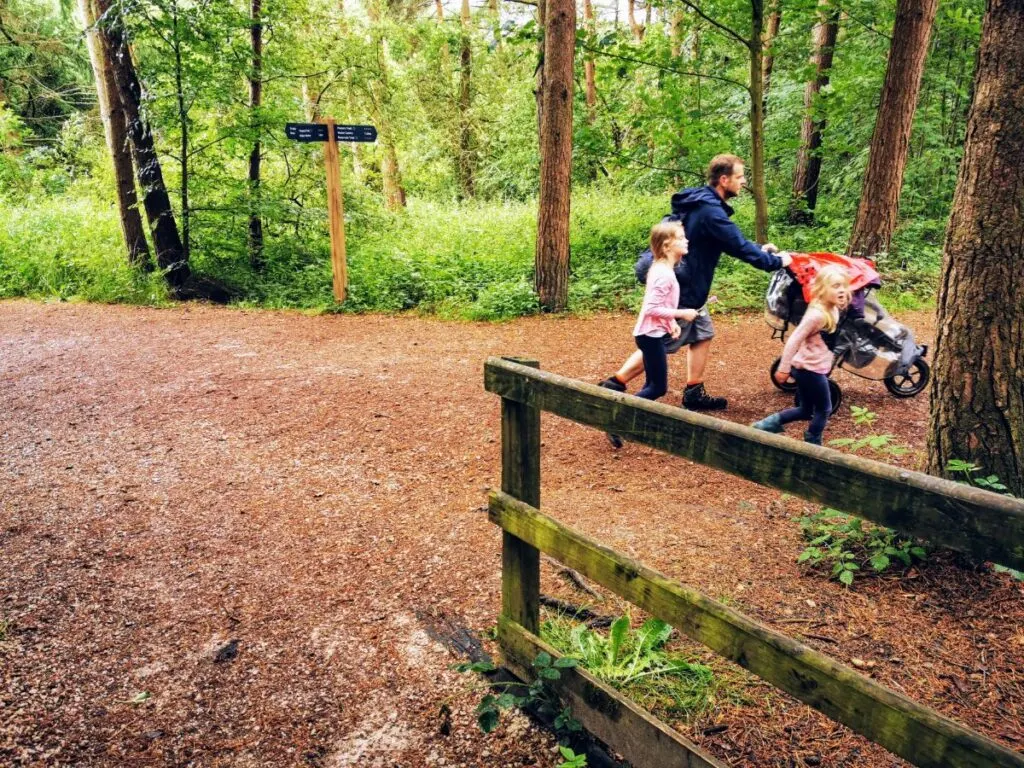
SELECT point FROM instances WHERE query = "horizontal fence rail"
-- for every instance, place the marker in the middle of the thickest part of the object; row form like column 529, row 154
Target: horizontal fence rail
column 980, row 523
column 921, row 735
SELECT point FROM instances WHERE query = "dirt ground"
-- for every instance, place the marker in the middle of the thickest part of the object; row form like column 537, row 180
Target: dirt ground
column 245, row 538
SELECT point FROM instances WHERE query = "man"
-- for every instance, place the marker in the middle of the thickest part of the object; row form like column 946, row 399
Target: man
column 704, row 212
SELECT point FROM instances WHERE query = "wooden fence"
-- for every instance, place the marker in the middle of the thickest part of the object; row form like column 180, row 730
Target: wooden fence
column 978, row 522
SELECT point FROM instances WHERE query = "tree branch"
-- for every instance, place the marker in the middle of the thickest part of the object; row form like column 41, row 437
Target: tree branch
column 732, row 33
column 663, row 67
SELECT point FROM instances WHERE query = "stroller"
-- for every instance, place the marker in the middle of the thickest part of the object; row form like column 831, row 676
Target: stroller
column 869, row 342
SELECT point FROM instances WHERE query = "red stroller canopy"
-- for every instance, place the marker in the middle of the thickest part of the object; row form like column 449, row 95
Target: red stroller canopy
column 806, row 265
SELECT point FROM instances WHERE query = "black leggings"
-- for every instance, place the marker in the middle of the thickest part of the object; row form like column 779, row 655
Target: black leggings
column 815, row 401
column 655, row 366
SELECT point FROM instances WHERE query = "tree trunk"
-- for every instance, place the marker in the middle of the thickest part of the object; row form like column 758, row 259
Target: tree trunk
column 467, row 141
column 634, row 25
column 977, row 395
column 494, row 10
column 589, row 67
column 757, row 189
column 179, row 88
column 552, row 258
column 112, row 116
column 539, row 93
column 394, row 193
column 170, row 255
column 255, row 101
column 808, row 159
column 675, row 33
column 880, row 197
column 767, row 41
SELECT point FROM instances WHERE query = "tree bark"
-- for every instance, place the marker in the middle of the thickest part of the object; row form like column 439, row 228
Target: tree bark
column 636, row 28
column 977, row 394
column 757, row 188
column 539, row 93
column 255, row 101
column 394, row 192
column 808, row 159
column 112, row 116
column 589, row 67
column 767, row 41
column 890, row 142
column 552, row 257
column 675, row 33
column 467, row 141
column 170, row 255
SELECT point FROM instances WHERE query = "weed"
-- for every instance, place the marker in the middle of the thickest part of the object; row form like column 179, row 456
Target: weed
column 637, row 662
column 877, row 443
column 845, row 544
column 570, row 759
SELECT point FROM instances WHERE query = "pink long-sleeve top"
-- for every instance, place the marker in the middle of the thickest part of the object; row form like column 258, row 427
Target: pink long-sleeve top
column 661, row 300
column 805, row 348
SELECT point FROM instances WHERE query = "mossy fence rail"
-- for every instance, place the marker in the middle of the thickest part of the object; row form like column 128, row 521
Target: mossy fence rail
column 980, row 523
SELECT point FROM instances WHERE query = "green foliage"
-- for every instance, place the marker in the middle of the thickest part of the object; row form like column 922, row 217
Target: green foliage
column 570, row 759
column 877, row 443
column 538, row 696
column 637, row 662
column 970, row 475
column 846, row 546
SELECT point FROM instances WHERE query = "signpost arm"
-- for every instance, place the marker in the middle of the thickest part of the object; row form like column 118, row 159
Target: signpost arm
column 335, row 214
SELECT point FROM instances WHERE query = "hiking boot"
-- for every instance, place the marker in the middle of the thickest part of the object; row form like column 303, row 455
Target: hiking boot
column 696, row 398
column 812, row 438
column 771, row 424
column 616, row 386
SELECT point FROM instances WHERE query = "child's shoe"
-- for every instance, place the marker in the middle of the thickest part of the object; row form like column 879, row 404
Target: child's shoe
column 696, row 398
column 771, row 424
column 812, row 438
column 615, row 385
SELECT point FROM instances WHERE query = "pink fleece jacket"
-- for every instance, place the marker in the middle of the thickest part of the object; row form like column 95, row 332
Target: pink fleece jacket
column 661, row 299
column 805, row 348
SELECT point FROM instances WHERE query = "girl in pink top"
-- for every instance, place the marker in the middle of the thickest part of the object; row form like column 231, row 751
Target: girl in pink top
column 808, row 359
column 660, row 309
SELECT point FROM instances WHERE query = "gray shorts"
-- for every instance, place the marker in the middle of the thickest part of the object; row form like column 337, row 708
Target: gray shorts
column 700, row 329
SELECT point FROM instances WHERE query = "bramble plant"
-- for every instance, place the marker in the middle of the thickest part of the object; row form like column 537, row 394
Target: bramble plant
column 570, row 759
column 537, row 696
column 846, row 544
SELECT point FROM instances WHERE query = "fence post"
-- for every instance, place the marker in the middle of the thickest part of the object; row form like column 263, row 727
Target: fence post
column 520, row 477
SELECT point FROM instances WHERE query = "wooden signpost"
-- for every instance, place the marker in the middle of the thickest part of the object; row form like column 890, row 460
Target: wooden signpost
column 332, row 133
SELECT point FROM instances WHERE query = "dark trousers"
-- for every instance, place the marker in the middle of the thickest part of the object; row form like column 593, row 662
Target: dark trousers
column 655, row 366
column 815, row 401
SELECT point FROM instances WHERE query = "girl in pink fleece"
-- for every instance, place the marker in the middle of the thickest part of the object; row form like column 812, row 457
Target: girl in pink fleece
column 660, row 309
column 808, row 359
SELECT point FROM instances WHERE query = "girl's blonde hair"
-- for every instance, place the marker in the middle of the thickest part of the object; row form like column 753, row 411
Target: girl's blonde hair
column 661, row 233
column 822, row 280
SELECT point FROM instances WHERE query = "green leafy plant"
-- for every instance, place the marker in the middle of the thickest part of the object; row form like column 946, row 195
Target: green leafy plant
column 537, row 696
column 877, row 443
column 969, row 470
column 637, row 662
column 847, row 546
column 570, row 759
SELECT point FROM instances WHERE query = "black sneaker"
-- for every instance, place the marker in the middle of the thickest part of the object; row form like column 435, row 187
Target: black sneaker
column 696, row 398
column 617, row 386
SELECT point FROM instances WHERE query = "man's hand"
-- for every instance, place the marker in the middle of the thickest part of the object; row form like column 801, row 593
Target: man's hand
column 675, row 330
column 689, row 315
column 770, row 248
column 781, row 378
column 786, row 259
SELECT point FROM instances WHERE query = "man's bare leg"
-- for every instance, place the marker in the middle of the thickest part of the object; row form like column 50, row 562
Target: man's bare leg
column 696, row 360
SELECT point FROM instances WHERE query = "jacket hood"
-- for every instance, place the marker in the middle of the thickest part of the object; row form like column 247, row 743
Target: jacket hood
column 692, row 197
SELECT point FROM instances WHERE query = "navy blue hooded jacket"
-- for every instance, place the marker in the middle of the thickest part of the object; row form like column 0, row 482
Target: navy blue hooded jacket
column 705, row 216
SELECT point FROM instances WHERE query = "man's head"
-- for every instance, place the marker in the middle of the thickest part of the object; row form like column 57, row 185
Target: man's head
column 725, row 175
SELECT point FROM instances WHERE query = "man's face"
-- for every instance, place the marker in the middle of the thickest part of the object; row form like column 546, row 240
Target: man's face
column 731, row 185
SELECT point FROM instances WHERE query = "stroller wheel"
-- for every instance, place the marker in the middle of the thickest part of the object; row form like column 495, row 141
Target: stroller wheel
column 789, row 386
column 834, row 391
column 910, row 383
